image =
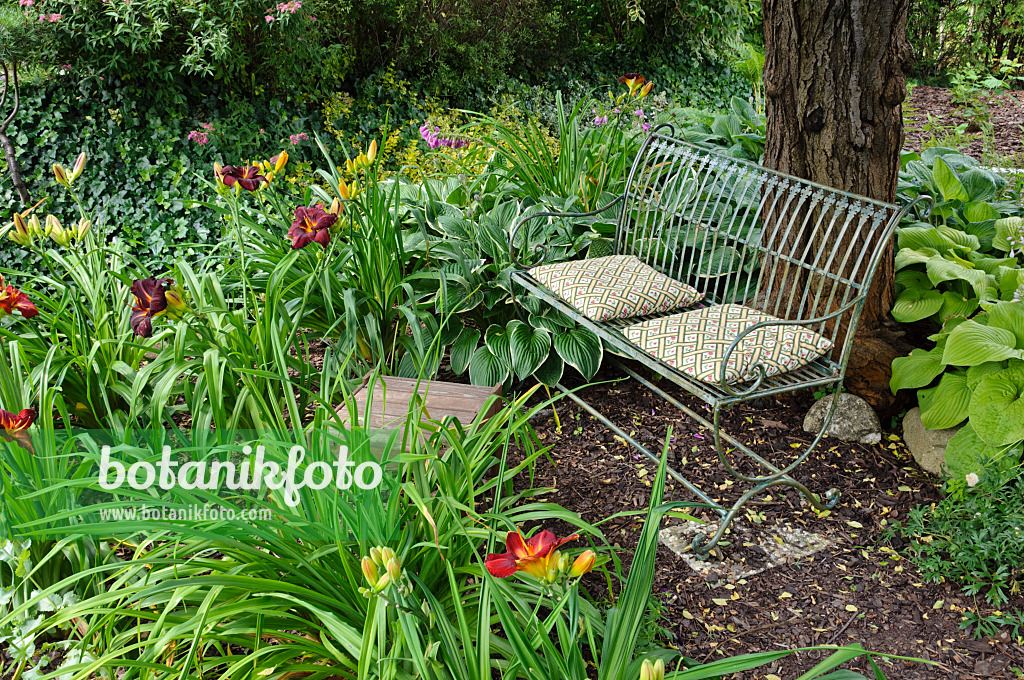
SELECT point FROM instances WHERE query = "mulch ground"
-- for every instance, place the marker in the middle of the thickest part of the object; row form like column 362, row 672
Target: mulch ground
column 858, row 591
column 930, row 114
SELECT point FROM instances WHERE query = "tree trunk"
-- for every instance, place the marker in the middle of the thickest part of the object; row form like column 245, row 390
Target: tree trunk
column 11, row 84
column 834, row 84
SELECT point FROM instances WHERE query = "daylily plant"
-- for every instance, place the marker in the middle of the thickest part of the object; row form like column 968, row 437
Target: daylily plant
column 153, row 297
column 12, row 299
column 538, row 556
column 311, row 224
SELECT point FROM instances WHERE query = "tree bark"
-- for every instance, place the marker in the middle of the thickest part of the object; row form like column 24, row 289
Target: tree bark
column 834, row 86
column 11, row 84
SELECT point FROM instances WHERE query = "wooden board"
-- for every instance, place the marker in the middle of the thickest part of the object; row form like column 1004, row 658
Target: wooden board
column 389, row 397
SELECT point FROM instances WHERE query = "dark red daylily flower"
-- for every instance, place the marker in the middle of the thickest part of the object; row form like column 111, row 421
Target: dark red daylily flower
column 311, row 224
column 247, row 176
column 531, row 555
column 12, row 299
column 150, row 302
column 13, row 424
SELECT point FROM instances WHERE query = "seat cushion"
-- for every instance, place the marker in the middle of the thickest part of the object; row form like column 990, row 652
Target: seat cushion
column 614, row 287
column 695, row 343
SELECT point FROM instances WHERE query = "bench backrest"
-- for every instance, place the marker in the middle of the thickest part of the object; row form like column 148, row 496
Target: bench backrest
column 739, row 232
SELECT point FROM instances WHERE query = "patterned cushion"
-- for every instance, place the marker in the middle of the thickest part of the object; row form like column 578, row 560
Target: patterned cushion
column 614, row 287
column 695, row 343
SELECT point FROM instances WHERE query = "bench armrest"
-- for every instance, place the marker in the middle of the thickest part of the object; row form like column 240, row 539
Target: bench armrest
column 541, row 248
column 731, row 389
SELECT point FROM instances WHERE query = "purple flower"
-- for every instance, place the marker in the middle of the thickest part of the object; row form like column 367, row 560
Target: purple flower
column 646, row 127
column 434, row 141
column 600, row 120
column 1018, row 295
column 640, row 112
column 295, row 139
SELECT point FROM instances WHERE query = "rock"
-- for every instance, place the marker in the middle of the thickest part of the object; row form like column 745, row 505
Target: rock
column 927, row 446
column 853, row 421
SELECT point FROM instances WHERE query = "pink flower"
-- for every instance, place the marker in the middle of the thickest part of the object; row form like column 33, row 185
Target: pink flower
column 646, row 127
column 269, row 18
column 26, row 3
column 295, row 139
column 198, row 137
column 600, row 120
column 639, row 112
column 206, row 126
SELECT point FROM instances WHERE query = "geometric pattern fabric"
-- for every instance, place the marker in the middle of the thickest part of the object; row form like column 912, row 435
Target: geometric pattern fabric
column 695, row 343
column 614, row 287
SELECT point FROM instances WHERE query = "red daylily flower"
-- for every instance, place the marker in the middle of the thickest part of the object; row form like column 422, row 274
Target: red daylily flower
column 12, row 299
column 150, row 302
column 12, row 424
column 532, row 555
column 247, row 176
column 311, row 224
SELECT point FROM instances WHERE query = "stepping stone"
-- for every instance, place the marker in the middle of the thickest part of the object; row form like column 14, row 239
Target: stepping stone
column 751, row 549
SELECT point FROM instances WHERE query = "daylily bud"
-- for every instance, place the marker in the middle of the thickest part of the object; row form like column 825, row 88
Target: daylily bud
column 60, row 174
column 646, row 90
column 343, row 190
column 652, row 671
column 79, row 166
column 56, row 231
column 218, row 173
column 394, row 567
column 35, row 229
column 270, row 177
column 20, row 235
column 175, row 302
column 370, row 571
column 350, row 165
column 335, row 207
column 383, row 583
column 84, row 225
column 282, row 160
column 563, row 562
column 386, row 555
column 583, row 564
column 371, row 154
column 376, row 556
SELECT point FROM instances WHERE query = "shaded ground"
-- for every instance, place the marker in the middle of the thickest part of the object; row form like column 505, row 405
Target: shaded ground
column 858, row 591
column 1005, row 114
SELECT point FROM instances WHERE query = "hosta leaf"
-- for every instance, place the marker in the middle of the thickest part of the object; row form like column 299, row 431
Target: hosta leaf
column 496, row 338
column 991, row 265
column 917, row 370
column 1009, row 315
column 908, row 256
column 997, row 407
column 552, row 321
column 722, row 261
column 915, row 304
column 976, row 373
column 971, row 343
column 911, row 278
column 550, row 372
column 487, row 369
column 1009, row 282
column 978, row 211
column 984, row 230
column 920, row 238
column 945, row 405
column 954, row 304
column 462, row 349
column 966, row 452
column 581, row 349
column 529, row 347
column 1008, row 230
column 981, row 184
column 948, row 183
column 962, row 239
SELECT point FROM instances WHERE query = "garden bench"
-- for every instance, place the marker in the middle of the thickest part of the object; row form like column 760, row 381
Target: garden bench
column 731, row 280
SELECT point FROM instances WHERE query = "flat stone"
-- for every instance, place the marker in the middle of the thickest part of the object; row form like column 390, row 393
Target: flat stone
column 927, row 446
column 853, row 421
column 776, row 545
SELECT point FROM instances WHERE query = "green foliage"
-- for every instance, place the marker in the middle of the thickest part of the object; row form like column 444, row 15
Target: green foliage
column 974, row 536
column 973, row 33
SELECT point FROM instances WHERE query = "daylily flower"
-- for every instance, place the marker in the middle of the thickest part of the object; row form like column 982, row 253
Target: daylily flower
column 311, row 224
column 536, row 556
column 247, row 176
column 12, row 299
column 634, row 81
column 150, row 302
column 12, row 424
column 279, row 161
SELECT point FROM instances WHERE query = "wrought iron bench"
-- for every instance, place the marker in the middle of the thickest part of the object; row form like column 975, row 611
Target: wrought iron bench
column 802, row 253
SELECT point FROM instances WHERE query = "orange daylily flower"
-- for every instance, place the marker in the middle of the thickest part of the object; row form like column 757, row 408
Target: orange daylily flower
column 536, row 555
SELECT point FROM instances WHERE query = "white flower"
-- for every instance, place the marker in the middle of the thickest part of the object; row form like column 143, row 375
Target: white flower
column 972, row 479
